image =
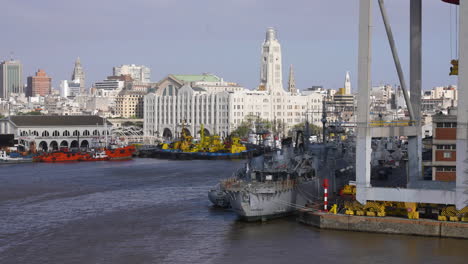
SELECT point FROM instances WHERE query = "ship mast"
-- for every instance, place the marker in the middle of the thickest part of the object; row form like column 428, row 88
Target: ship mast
column 105, row 131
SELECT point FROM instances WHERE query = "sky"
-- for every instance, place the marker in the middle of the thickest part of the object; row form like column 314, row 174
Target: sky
column 224, row 37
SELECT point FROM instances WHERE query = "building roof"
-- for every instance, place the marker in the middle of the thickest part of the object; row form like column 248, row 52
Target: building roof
column 132, row 92
column 197, row 78
column 198, row 89
column 49, row 120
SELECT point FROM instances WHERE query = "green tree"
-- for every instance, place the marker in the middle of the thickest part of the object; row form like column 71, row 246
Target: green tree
column 242, row 130
column 250, row 122
column 314, row 129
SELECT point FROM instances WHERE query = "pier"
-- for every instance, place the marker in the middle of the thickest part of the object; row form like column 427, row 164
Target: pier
column 388, row 225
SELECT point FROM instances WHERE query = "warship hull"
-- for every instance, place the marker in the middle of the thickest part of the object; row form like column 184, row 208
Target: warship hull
column 260, row 203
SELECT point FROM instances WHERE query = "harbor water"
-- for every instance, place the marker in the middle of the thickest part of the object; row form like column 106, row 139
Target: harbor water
column 157, row 211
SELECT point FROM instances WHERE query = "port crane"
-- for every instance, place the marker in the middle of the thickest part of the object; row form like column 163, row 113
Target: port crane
column 415, row 192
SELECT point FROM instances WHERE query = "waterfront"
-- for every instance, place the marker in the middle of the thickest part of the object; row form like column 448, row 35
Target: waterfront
column 157, row 211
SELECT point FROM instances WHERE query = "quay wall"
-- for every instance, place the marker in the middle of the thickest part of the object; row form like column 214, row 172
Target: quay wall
column 390, row 225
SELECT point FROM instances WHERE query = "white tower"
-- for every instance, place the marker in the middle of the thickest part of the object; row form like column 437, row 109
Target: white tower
column 347, row 83
column 271, row 78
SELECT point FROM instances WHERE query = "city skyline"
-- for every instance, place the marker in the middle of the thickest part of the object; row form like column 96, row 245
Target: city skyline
column 320, row 51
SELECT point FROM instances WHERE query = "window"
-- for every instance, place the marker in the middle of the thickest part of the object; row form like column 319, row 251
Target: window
column 447, row 155
column 447, row 125
column 452, row 147
column 446, row 168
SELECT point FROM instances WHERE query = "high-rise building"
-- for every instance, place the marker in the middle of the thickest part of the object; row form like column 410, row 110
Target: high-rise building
column 39, row 85
column 139, row 73
column 79, row 75
column 70, row 88
column 271, row 79
column 11, row 78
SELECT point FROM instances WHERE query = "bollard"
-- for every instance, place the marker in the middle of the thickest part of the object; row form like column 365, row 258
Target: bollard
column 325, row 195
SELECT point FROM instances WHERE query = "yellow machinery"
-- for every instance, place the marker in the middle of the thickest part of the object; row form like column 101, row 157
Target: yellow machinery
column 206, row 144
column 234, row 145
column 349, row 190
column 402, row 209
column 450, row 213
column 454, row 68
column 378, row 208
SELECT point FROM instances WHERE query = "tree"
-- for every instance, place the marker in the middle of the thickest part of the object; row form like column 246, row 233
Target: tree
column 313, row 129
column 242, row 130
column 250, row 122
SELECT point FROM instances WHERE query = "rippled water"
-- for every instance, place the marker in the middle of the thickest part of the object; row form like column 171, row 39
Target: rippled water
column 156, row 211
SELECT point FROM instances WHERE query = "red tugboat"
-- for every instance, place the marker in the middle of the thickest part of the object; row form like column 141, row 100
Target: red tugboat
column 122, row 153
column 62, row 156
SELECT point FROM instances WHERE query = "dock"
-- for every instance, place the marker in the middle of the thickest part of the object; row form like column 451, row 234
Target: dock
column 389, row 225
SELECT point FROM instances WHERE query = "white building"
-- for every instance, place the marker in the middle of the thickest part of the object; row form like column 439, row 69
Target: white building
column 139, row 73
column 53, row 132
column 167, row 115
column 221, row 108
column 70, row 88
column 271, row 76
column 108, row 88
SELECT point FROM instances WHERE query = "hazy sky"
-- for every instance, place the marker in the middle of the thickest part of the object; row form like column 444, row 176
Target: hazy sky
column 224, row 37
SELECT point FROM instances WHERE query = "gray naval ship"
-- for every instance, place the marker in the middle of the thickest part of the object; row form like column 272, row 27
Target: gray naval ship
column 279, row 183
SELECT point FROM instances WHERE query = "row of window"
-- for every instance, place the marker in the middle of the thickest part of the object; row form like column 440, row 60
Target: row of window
column 452, row 146
column 447, row 125
column 56, row 133
column 446, row 168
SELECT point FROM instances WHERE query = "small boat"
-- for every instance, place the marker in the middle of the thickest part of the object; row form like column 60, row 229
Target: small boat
column 7, row 159
column 122, row 153
column 62, row 156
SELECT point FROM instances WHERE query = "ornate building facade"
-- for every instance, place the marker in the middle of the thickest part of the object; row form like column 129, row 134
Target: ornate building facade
column 221, row 107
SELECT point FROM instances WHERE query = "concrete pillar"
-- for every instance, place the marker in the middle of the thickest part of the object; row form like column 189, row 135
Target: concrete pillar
column 415, row 143
column 363, row 143
column 462, row 115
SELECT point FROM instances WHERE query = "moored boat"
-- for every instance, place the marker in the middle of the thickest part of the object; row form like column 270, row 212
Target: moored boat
column 120, row 153
column 8, row 159
column 62, row 156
